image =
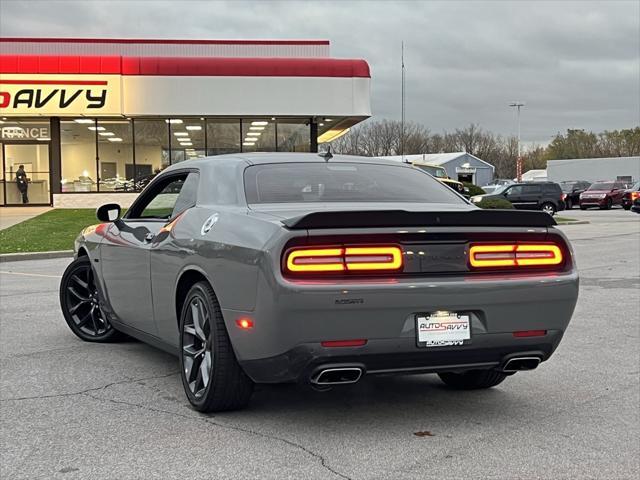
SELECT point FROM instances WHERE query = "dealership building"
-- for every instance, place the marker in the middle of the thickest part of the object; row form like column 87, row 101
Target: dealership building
column 94, row 119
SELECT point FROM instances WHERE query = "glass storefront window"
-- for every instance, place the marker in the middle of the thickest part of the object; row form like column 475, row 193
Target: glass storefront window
column 294, row 135
column 223, row 136
column 78, row 154
column 151, row 149
column 24, row 141
column 258, row 135
column 187, row 138
column 115, row 156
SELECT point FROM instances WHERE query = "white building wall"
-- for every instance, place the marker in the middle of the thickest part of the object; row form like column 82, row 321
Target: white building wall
column 593, row 169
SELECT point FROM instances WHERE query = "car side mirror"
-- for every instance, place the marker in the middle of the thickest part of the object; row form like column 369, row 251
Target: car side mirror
column 109, row 212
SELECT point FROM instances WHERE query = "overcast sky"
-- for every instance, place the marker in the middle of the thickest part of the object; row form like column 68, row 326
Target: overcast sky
column 575, row 64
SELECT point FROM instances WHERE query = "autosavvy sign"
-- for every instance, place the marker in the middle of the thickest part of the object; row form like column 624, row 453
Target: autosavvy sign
column 62, row 95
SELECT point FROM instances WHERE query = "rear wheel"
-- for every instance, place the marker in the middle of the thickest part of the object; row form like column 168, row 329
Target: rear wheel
column 212, row 378
column 472, row 379
column 80, row 304
column 626, row 207
column 549, row 208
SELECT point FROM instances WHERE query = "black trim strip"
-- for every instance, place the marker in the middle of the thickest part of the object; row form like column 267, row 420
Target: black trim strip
column 403, row 218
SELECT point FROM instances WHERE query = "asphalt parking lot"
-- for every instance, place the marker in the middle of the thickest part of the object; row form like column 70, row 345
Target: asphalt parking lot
column 74, row 410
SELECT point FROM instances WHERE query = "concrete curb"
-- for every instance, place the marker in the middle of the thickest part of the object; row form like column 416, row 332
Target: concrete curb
column 16, row 257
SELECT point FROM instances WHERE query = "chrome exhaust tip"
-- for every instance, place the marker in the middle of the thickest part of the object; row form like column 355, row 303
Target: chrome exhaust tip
column 519, row 364
column 337, row 376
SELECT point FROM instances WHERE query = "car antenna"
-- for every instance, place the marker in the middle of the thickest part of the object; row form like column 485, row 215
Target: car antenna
column 326, row 155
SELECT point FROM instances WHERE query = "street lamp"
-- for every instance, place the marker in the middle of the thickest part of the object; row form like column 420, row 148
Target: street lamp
column 519, row 160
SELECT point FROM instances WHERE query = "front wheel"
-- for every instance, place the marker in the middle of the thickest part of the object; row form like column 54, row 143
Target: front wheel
column 607, row 205
column 549, row 208
column 626, row 207
column 212, row 378
column 582, row 207
column 80, row 304
column 472, row 379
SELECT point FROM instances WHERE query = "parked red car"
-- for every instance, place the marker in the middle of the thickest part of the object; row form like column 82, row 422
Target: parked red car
column 630, row 195
column 604, row 194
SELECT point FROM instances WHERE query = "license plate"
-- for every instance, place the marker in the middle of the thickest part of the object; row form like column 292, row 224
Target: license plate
column 440, row 329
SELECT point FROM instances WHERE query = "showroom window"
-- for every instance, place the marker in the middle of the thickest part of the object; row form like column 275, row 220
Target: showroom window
column 223, row 136
column 258, row 135
column 294, row 135
column 115, row 156
column 187, row 138
column 78, row 154
column 151, row 140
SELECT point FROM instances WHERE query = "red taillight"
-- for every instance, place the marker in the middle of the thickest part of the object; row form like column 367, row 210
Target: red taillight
column 514, row 255
column 563, row 196
column 344, row 343
column 344, row 259
column 634, row 195
column 530, row 333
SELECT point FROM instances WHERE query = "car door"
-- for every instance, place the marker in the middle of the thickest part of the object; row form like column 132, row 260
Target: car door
column 514, row 195
column 531, row 197
column 124, row 252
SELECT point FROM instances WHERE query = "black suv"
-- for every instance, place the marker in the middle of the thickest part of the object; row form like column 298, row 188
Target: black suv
column 572, row 190
column 545, row 196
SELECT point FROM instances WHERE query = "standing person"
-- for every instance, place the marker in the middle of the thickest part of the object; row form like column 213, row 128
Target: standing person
column 23, row 183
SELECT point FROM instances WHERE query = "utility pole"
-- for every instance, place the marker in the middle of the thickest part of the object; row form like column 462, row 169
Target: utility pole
column 402, row 115
column 518, row 105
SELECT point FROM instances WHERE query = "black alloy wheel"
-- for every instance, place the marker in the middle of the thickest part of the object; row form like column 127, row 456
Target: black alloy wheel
column 80, row 302
column 213, row 379
column 197, row 354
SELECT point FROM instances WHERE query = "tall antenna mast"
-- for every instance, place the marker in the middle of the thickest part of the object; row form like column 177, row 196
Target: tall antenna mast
column 402, row 115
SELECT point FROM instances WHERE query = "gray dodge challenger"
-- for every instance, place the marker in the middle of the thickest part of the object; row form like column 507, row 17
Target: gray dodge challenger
column 288, row 267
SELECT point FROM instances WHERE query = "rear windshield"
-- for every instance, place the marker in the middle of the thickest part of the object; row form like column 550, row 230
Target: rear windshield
column 601, row 186
column 568, row 186
column 342, row 182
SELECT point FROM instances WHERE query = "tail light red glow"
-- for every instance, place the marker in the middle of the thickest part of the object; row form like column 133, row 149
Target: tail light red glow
column 635, row 195
column 514, row 255
column 342, row 259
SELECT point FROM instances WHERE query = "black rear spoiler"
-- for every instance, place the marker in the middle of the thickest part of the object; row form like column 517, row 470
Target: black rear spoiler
column 403, row 218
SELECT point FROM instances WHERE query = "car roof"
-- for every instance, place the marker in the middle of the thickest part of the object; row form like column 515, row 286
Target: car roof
column 263, row 158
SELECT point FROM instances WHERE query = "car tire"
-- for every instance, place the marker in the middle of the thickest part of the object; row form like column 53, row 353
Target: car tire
column 472, row 379
column 213, row 379
column 626, row 207
column 80, row 304
column 582, row 207
column 549, row 208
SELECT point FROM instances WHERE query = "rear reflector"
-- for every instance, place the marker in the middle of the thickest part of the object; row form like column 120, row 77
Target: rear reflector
column 530, row 333
column 514, row 255
column 341, row 259
column 244, row 323
column 344, row 343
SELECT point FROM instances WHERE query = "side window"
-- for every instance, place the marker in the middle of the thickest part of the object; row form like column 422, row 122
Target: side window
column 514, row 191
column 531, row 189
column 188, row 194
column 171, row 197
column 162, row 204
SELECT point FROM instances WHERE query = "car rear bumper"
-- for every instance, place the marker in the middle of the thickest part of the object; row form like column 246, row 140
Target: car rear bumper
column 400, row 356
column 290, row 322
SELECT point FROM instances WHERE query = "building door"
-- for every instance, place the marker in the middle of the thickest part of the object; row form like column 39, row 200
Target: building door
column 34, row 157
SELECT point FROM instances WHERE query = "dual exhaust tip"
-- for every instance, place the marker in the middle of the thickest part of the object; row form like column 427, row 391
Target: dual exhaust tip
column 346, row 375
column 519, row 364
column 337, row 376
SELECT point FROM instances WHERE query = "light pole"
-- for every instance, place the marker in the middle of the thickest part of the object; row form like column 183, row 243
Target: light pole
column 519, row 160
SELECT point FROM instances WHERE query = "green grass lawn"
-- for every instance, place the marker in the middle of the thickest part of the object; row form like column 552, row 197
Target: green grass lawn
column 53, row 230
